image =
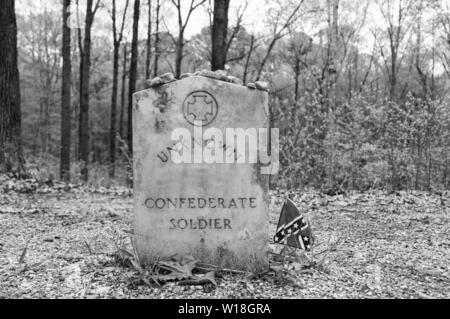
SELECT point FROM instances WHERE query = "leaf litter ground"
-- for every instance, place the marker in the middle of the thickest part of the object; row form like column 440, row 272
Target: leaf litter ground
column 59, row 241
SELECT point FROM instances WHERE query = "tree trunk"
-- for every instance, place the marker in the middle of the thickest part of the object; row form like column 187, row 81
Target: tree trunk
column 11, row 156
column 219, row 34
column 122, row 99
column 66, row 96
column 331, row 72
column 117, row 39
column 133, row 74
column 149, row 41
column 297, row 79
column 80, row 89
column 113, row 129
column 84, row 103
column 179, row 54
column 393, row 80
column 247, row 60
column 156, row 59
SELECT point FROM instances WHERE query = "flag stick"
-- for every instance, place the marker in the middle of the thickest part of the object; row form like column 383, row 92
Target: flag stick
column 284, row 253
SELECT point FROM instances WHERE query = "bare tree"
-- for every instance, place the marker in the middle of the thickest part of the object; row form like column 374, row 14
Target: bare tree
column 336, row 41
column 42, row 33
column 10, row 114
column 156, row 44
column 279, row 30
column 133, row 73
column 240, row 11
column 298, row 46
column 252, row 47
column 180, row 41
column 149, row 41
column 444, row 53
column 398, row 20
column 117, row 39
column 80, row 82
column 122, row 95
column 85, row 67
column 332, row 51
column 231, row 33
column 66, row 95
column 427, row 86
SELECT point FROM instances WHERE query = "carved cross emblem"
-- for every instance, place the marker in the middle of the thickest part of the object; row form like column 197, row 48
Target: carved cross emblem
column 200, row 106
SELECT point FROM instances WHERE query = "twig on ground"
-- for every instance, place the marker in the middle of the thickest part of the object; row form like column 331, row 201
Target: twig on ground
column 208, row 267
column 88, row 247
column 24, row 253
column 22, row 256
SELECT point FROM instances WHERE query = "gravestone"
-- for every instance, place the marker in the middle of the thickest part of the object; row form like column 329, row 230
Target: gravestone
column 216, row 212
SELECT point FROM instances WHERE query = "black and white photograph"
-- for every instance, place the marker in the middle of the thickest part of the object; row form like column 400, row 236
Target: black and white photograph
column 242, row 151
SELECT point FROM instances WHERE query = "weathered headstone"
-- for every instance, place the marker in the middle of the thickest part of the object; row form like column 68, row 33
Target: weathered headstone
column 216, row 212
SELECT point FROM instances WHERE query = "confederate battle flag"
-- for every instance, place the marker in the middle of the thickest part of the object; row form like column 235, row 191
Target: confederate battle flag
column 294, row 228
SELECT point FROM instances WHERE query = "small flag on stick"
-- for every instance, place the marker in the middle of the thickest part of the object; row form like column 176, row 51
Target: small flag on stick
column 293, row 228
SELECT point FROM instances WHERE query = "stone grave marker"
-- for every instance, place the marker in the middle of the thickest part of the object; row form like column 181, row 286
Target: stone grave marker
column 184, row 202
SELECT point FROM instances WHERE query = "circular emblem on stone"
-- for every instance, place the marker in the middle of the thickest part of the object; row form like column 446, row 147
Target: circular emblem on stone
column 200, row 106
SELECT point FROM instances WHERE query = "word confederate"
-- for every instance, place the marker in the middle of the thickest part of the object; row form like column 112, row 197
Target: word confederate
column 199, row 202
